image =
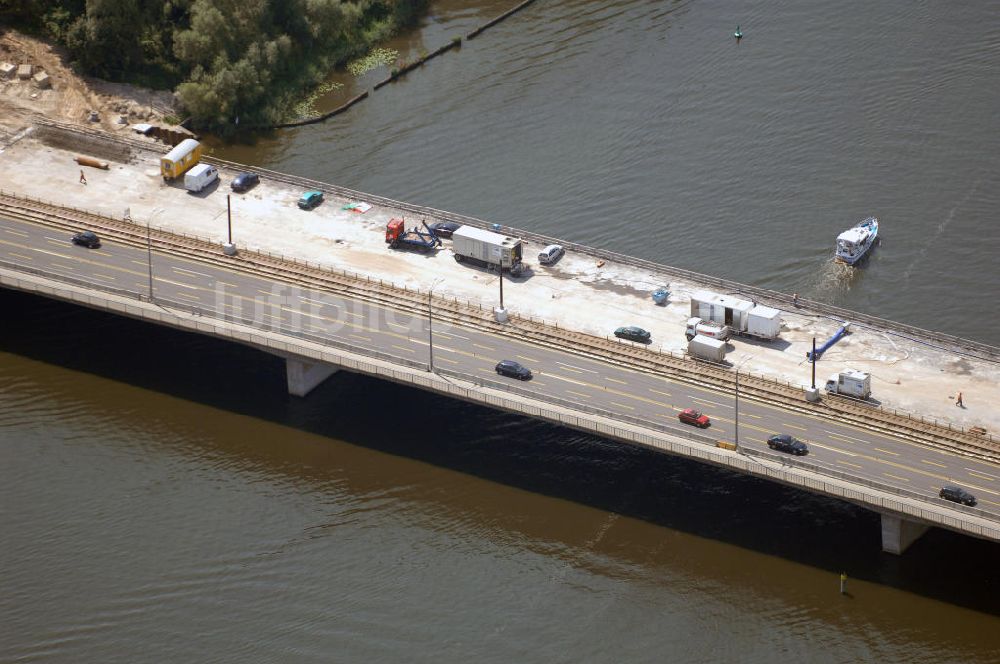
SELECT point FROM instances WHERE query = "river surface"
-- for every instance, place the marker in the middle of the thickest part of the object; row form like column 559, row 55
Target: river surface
column 162, row 499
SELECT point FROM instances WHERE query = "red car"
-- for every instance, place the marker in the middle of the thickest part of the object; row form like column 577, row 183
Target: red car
column 691, row 416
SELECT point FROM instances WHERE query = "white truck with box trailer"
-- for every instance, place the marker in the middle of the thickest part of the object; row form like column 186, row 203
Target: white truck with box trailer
column 743, row 316
column 857, row 384
column 707, row 348
column 483, row 247
column 696, row 326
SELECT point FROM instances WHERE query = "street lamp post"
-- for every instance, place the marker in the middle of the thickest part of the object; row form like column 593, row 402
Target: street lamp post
column 736, row 416
column 430, row 325
column 149, row 259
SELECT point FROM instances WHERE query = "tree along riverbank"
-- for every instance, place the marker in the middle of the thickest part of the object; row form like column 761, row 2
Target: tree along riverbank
column 230, row 63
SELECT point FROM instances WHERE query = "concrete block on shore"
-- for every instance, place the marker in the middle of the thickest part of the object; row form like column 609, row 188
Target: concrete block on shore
column 42, row 80
column 7, row 70
column 24, row 72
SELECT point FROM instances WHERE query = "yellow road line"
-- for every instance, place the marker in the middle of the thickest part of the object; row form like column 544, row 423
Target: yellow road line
column 848, row 463
column 896, row 477
column 792, row 426
column 981, row 475
column 666, row 394
column 933, row 463
column 492, row 350
column 527, row 359
column 358, row 336
column 445, row 359
column 879, row 449
column 403, row 348
column 13, row 232
column 621, row 405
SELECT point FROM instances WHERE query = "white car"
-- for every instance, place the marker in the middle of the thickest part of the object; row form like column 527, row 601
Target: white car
column 550, row 254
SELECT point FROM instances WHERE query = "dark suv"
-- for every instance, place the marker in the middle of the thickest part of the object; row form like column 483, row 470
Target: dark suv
column 513, row 369
column 87, row 239
column 958, row 495
column 785, row 443
column 245, row 182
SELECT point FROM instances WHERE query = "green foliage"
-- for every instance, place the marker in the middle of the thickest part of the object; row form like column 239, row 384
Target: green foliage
column 229, row 59
column 379, row 57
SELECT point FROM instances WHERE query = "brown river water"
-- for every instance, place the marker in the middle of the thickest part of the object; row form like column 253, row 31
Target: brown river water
column 162, row 498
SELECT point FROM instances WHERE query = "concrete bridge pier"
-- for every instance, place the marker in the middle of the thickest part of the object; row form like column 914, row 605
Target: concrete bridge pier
column 898, row 533
column 303, row 377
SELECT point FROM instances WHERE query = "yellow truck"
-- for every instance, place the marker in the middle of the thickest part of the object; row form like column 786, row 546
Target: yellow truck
column 175, row 163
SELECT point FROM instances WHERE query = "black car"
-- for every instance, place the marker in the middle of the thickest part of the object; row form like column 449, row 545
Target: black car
column 513, row 369
column 245, row 181
column 958, row 495
column 633, row 333
column 445, row 229
column 87, row 239
column 785, row 443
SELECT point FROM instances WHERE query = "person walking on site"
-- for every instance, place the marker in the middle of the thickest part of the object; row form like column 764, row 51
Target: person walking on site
column 83, row 178
column 958, row 401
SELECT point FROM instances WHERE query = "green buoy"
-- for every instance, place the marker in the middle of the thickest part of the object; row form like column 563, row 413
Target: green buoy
column 738, row 34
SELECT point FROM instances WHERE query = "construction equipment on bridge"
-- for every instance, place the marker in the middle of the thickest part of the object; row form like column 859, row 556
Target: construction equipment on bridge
column 850, row 383
column 840, row 333
column 493, row 250
column 707, row 348
column 696, row 326
column 186, row 154
column 743, row 316
column 397, row 236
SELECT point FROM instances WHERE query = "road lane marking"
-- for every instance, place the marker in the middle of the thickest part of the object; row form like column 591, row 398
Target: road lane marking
column 102, row 276
column 445, row 359
column 565, row 368
column 666, row 394
column 710, row 403
column 317, row 302
column 792, row 426
column 492, row 350
column 358, row 336
column 405, row 327
column 848, row 463
column 142, row 263
column 573, row 367
column 403, row 348
column 982, row 476
column 933, row 463
column 528, row 359
column 176, row 283
column 615, row 380
column 185, row 271
column 579, row 394
column 13, row 232
column 985, row 475
column 188, row 296
column 879, row 449
column 621, row 405
column 896, row 477
column 27, row 258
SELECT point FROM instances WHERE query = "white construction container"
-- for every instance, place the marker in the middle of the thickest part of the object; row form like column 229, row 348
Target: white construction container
column 850, row 383
column 764, row 322
column 721, row 309
column 200, row 176
column 707, row 348
column 487, row 248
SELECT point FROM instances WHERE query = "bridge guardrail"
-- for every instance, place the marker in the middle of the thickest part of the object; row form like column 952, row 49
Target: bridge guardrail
column 541, row 411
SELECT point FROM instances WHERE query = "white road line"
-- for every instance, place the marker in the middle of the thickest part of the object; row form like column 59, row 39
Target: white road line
column 896, row 477
column 527, row 359
column 666, row 394
column 358, row 336
column 576, row 368
column 879, row 449
column 175, row 283
column 492, row 350
column 992, row 477
column 200, row 274
column 580, row 394
column 792, row 426
column 711, row 403
column 27, row 258
column 621, row 405
column 615, row 380
column 445, row 359
column 403, row 348
column 13, row 232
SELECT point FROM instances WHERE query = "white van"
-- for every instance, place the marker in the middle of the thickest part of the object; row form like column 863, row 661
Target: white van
column 550, row 254
column 200, row 177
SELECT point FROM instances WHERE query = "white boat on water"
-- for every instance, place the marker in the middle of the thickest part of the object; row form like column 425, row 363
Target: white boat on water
column 854, row 243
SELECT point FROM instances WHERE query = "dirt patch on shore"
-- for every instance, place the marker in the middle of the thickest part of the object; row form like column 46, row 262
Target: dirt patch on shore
column 71, row 98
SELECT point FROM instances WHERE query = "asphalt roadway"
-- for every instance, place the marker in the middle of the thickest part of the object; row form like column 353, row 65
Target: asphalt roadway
column 841, row 448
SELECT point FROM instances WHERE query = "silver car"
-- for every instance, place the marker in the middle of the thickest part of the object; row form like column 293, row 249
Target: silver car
column 550, row 254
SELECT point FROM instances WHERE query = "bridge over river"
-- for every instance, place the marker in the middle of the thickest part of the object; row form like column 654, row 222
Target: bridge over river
column 323, row 318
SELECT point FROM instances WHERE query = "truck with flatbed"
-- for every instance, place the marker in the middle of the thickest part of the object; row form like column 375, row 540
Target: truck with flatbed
column 396, row 236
